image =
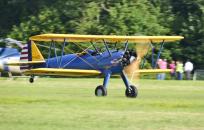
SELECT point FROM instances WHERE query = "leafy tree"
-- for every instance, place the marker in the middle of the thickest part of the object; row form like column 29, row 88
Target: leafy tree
column 21, row 19
column 47, row 21
column 186, row 18
column 13, row 12
column 189, row 22
column 122, row 17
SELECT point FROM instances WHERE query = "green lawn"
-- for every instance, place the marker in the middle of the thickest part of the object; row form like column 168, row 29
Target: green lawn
column 70, row 104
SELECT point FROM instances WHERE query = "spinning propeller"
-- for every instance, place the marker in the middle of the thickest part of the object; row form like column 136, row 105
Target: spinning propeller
column 131, row 61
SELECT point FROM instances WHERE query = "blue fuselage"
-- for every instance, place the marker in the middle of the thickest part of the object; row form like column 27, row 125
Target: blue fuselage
column 89, row 61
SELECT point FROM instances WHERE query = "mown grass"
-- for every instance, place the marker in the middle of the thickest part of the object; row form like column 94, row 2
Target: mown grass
column 70, row 104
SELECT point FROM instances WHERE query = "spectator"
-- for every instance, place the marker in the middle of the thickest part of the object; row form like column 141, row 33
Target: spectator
column 179, row 70
column 172, row 66
column 188, row 67
column 162, row 64
column 158, row 65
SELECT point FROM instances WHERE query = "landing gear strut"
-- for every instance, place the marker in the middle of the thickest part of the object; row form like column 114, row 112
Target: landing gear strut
column 101, row 90
column 31, row 79
column 131, row 90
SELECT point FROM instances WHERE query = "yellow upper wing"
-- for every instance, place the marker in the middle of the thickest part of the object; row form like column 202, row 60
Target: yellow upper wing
column 99, row 38
column 62, row 72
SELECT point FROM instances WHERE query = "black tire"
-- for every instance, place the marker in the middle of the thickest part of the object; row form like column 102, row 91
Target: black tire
column 132, row 93
column 100, row 91
column 31, row 80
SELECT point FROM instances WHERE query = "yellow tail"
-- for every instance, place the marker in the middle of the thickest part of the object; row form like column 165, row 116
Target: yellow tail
column 35, row 53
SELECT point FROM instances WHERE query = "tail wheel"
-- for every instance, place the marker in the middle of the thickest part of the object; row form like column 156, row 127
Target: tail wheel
column 31, row 79
column 100, row 91
column 131, row 92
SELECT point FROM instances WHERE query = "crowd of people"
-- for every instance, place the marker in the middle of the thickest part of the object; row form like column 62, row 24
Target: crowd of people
column 177, row 69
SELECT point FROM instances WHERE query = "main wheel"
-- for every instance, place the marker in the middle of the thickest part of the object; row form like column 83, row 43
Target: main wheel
column 100, row 91
column 131, row 92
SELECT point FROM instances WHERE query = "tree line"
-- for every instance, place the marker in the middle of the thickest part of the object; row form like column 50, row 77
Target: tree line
column 21, row 19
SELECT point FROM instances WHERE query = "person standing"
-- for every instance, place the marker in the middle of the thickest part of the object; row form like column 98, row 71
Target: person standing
column 158, row 66
column 172, row 66
column 162, row 64
column 188, row 68
column 179, row 70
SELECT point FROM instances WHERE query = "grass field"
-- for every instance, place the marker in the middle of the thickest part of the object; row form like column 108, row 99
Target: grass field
column 70, row 104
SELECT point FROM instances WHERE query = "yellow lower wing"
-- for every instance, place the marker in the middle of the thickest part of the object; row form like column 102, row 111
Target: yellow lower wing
column 62, row 72
column 153, row 71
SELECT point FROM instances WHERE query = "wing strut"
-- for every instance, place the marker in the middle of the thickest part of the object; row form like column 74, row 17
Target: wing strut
column 158, row 55
column 153, row 49
column 126, row 46
column 153, row 60
column 95, row 47
column 62, row 53
column 107, row 47
column 49, row 55
column 53, row 46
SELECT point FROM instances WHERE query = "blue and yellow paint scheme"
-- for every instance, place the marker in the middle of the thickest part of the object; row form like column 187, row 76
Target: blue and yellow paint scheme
column 89, row 62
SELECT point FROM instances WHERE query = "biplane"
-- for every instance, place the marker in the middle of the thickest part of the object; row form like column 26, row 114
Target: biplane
column 9, row 55
column 90, row 62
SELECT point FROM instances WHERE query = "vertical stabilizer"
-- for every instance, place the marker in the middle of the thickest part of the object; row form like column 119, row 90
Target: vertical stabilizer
column 36, row 54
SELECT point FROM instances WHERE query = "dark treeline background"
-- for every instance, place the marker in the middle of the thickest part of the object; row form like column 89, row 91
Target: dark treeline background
column 20, row 19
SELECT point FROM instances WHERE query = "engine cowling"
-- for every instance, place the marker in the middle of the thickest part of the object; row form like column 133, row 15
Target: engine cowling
column 128, row 57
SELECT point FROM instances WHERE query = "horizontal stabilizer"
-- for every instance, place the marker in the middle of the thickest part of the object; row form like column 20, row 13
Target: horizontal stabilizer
column 154, row 71
column 62, row 72
column 24, row 63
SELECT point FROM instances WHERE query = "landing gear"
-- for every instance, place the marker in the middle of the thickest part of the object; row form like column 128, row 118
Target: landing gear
column 131, row 91
column 100, row 91
column 31, row 79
